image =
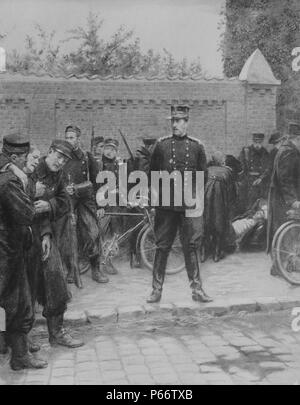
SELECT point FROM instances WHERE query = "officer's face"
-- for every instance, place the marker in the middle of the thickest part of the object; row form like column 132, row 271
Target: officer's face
column 110, row 152
column 72, row 138
column 258, row 143
column 55, row 160
column 179, row 126
column 33, row 160
column 19, row 160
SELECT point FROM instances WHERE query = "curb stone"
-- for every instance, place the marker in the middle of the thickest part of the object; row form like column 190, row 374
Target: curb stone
column 216, row 308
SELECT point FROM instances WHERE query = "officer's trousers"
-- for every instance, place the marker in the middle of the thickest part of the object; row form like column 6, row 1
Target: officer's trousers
column 166, row 225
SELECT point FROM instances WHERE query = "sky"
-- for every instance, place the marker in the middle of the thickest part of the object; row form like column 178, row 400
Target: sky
column 186, row 28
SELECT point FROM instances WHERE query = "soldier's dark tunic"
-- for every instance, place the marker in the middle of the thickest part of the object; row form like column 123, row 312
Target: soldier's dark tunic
column 255, row 164
column 284, row 188
column 48, row 279
column 81, row 168
column 182, row 154
column 220, row 197
column 16, row 215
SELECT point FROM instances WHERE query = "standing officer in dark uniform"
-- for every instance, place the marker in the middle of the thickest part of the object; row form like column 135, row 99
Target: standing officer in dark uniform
column 255, row 164
column 16, row 216
column 80, row 175
column 182, row 153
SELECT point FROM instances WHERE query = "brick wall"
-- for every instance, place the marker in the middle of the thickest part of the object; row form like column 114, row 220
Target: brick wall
column 223, row 112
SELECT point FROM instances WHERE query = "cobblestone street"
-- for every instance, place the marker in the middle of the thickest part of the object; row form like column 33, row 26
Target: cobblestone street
column 240, row 349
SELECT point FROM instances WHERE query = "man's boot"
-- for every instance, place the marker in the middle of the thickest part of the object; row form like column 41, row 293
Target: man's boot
column 32, row 346
column 159, row 270
column 58, row 335
column 3, row 344
column 97, row 272
column 192, row 266
column 20, row 356
column 109, row 268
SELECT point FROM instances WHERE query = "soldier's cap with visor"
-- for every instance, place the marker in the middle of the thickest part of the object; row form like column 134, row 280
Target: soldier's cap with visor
column 111, row 142
column 275, row 138
column 63, row 147
column 258, row 136
column 73, row 128
column 294, row 128
column 97, row 140
column 16, row 143
column 179, row 111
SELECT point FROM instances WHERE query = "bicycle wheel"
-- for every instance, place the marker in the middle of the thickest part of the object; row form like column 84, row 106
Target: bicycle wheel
column 147, row 252
column 286, row 251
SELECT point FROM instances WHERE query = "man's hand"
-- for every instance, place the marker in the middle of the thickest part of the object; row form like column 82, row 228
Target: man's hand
column 40, row 189
column 46, row 247
column 70, row 189
column 20, row 174
column 100, row 213
column 296, row 205
column 41, row 206
column 257, row 182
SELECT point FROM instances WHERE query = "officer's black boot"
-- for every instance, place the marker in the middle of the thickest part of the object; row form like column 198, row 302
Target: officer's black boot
column 159, row 270
column 192, row 266
column 58, row 335
column 3, row 344
column 97, row 272
column 20, row 356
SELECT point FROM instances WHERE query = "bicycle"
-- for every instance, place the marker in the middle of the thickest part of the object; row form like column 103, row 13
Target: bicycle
column 286, row 248
column 145, row 243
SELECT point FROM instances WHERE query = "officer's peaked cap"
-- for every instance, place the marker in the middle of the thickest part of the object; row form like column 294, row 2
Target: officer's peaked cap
column 294, row 128
column 179, row 111
column 111, row 142
column 258, row 136
column 63, row 147
column 73, row 128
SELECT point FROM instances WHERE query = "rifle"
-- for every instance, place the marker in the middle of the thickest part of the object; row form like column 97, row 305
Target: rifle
column 126, row 144
column 74, row 243
column 92, row 138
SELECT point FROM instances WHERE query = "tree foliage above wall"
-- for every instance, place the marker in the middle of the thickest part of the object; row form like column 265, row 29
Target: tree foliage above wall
column 273, row 26
column 121, row 54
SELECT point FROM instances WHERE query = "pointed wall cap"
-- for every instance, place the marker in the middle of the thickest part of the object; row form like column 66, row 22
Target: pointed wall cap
column 257, row 70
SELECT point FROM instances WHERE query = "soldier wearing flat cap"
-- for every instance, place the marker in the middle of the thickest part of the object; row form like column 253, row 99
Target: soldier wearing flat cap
column 254, row 177
column 97, row 146
column 178, row 153
column 48, row 280
column 80, row 175
column 16, row 218
column 284, row 191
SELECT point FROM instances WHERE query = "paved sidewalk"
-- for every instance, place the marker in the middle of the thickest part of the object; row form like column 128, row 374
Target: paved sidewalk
column 241, row 281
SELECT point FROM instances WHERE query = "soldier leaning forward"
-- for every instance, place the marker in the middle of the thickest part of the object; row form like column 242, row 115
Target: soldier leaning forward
column 254, row 177
column 80, row 175
column 16, row 216
column 177, row 152
column 49, row 280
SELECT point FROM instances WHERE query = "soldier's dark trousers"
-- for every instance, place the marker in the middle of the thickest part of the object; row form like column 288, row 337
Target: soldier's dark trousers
column 166, row 225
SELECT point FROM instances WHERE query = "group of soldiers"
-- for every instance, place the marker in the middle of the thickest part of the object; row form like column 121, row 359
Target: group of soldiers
column 39, row 196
